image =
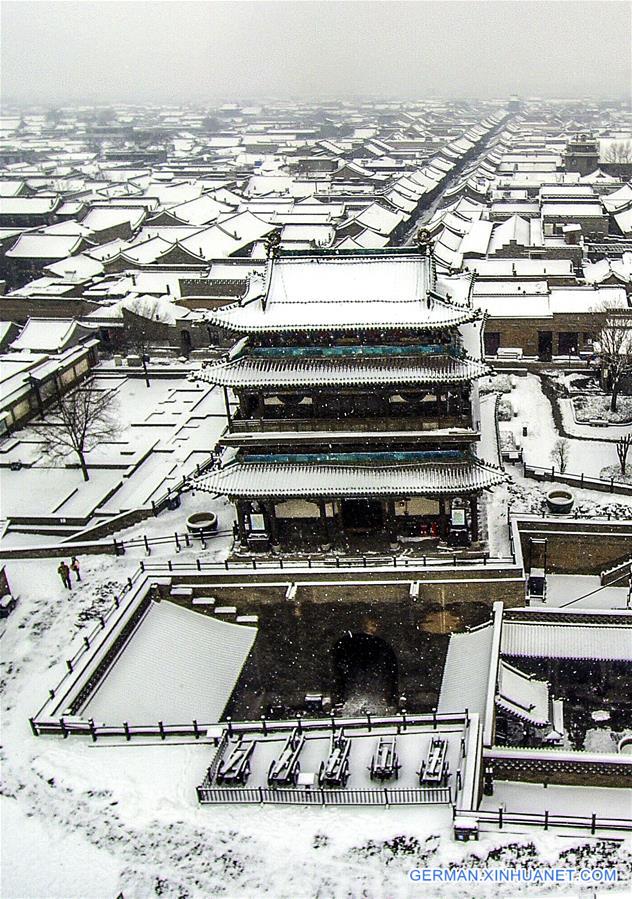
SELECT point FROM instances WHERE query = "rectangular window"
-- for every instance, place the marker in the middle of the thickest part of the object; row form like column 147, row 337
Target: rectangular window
column 568, row 343
column 492, row 342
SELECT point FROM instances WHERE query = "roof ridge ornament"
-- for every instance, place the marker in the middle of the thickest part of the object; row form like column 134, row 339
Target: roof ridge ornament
column 424, row 241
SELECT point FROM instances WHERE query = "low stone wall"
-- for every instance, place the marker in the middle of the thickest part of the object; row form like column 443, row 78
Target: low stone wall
column 559, row 768
column 295, row 650
column 577, row 546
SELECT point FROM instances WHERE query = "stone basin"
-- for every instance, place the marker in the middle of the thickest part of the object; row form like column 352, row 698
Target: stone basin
column 560, row 500
column 201, row 523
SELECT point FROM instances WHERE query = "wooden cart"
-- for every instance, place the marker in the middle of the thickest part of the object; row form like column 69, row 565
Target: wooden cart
column 236, row 768
column 385, row 763
column 335, row 771
column 285, row 770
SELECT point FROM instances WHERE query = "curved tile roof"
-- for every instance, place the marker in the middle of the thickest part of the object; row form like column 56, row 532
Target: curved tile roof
column 253, row 371
column 295, row 479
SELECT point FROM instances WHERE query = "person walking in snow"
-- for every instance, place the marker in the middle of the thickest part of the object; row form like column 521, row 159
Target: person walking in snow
column 64, row 573
column 74, row 564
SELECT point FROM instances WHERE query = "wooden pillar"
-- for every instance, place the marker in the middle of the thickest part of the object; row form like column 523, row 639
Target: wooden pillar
column 324, row 528
column 391, row 523
column 272, row 524
column 241, row 525
column 227, row 407
column 443, row 519
column 474, row 518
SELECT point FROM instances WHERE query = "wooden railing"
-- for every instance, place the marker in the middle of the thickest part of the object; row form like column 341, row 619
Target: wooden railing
column 417, row 423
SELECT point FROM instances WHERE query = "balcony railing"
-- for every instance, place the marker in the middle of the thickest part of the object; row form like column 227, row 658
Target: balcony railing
column 260, row 425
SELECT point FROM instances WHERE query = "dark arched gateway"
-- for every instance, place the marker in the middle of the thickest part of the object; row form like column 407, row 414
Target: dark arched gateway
column 365, row 670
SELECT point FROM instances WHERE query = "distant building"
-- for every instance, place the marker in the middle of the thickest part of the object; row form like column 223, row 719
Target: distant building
column 582, row 154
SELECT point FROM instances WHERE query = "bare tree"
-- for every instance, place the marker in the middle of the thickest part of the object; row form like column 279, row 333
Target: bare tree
column 623, row 448
column 84, row 418
column 145, row 318
column 560, row 453
column 618, row 151
column 614, row 347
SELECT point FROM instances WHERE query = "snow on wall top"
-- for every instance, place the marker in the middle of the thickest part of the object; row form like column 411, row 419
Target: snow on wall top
column 567, row 641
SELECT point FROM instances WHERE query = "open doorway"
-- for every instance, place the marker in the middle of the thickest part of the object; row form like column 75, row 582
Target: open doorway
column 366, row 674
column 362, row 515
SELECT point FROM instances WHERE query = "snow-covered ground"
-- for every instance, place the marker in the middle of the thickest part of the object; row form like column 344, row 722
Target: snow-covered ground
column 166, row 429
column 608, row 802
column 92, row 820
column 82, row 819
column 583, row 592
column 534, row 412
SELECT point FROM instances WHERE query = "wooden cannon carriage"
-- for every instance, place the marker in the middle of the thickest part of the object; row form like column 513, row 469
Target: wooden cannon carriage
column 335, row 771
column 385, row 763
column 435, row 770
column 285, row 770
column 236, row 768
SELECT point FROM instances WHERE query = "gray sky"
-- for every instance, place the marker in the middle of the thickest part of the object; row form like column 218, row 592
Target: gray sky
column 55, row 52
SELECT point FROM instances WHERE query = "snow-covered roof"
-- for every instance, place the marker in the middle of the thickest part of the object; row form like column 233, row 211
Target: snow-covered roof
column 596, row 272
column 607, row 642
column 44, row 246
column 522, row 696
column 379, row 219
column 146, row 252
column 49, row 334
column 318, row 235
column 309, row 293
column 200, row 211
column 476, row 241
column 28, row 205
column 295, row 479
column 10, row 188
column 101, row 218
column 515, row 229
column 624, row 221
column 179, row 665
column 618, row 199
column 571, row 210
column 76, row 268
column 586, row 299
column 228, row 236
column 520, row 268
column 253, row 371
column 365, row 240
column 464, row 686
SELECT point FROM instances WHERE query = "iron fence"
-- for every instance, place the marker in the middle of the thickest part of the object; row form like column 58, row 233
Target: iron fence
column 383, row 796
column 580, row 481
column 501, row 818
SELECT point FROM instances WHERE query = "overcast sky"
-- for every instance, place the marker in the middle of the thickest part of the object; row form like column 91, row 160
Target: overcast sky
column 56, row 52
